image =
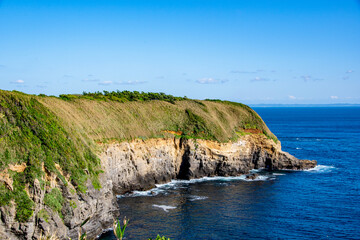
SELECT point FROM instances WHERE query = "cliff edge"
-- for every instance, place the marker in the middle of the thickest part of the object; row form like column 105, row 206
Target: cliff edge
column 64, row 160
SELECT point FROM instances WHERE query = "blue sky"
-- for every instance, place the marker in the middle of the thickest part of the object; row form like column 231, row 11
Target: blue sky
column 251, row 51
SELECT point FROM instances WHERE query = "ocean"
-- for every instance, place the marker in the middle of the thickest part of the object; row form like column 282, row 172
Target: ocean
column 321, row 203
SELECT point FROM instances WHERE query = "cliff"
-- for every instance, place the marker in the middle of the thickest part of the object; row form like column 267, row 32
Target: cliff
column 64, row 161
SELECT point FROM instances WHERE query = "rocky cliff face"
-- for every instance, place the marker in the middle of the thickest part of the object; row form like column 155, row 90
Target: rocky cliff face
column 139, row 165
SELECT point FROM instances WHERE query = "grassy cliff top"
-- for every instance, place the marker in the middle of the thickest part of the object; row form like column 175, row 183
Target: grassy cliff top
column 59, row 134
column 127, row 115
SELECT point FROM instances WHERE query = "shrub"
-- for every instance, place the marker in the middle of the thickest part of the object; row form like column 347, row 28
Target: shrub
column 24, row 206
column 54, row 200
column 44, row 215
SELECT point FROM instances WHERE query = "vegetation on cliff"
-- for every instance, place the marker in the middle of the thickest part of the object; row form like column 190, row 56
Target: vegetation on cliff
column 30, row 134
column 58, row 135
column 123, row 96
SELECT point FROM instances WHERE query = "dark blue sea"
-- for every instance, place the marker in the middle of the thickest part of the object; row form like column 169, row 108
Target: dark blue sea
column 322, row 203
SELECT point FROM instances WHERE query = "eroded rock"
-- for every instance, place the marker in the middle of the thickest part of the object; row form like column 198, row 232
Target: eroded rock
column 139, row 165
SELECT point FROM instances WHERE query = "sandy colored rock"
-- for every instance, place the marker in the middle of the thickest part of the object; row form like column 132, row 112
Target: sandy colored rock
column 139, row 165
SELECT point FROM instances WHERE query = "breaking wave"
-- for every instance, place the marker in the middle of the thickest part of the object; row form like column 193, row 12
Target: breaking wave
column 166, row 208
column 321, row 169
column 175, row 184
column 196, row 198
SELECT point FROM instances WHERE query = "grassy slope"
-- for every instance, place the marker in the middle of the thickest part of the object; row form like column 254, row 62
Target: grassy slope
column 100, row 120
column 44, row 131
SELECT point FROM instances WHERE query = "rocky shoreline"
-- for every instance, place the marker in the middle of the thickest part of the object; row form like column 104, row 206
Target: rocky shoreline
column 139, row 165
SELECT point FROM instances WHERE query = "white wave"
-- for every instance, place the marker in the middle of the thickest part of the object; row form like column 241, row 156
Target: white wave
column 164, row 207
column 148, row 193
column 175, row 184
column 195, row 198
column 278, row 174
column 259, row 178
column 257, row 170
column 104, row 231
column 298, row 148
column 321, row 169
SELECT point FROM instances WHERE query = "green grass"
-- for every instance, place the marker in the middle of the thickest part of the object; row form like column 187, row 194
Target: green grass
column 54, row 200
column 30, row 133
column 24, row 206
column 44, row 215
column 195, row 127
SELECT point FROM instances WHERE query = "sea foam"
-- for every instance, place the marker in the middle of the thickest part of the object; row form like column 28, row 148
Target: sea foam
column 164, row 207
column 196, row 198
column 175, row 184
column 321, row 169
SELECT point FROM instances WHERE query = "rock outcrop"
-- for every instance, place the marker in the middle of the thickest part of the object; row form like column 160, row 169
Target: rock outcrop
column 139, row 165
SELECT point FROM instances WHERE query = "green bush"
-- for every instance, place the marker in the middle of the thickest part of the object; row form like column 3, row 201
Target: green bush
column 24, row 206
column 125, row 96
column 54, row 200
column 195, row 127
column 44, row 215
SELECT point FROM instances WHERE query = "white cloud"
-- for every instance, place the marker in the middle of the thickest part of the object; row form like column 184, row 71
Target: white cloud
column 292, row 97
column 19, row 81
column 334, row 97
column 136, row 82
column 259, row 79
column 211, row 81
column 207, row 81
column 310, row 78
column 105, row 83
column 349, row 71
column 306, row 78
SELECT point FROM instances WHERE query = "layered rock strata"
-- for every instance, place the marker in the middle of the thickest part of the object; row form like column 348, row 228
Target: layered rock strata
column 139, row 165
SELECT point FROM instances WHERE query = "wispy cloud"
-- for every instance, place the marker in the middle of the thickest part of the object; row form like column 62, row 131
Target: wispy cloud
column 19, row 81
column 211, row 81
column 260, row 79
column 292, row 97
column 308, row 78
column 334, row 97
column 348, row 74
column 131, row 82
column 67, row 76
column 105, row 83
